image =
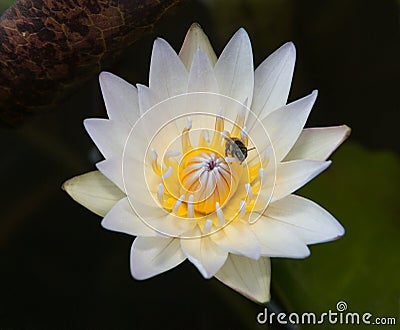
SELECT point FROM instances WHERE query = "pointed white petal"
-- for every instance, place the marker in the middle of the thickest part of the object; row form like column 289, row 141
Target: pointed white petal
column 272, row 80
column 94, row 191
column 201, row 75
column 318, row 143
column 170, row 225
column 195, row 38
column 140, row 184
column 108, row 135
column 278, row 241
column 120, row 97
column 133, row 217
column 294, row 174
column 151, row 256
column 290, row 176
column 123, row 219
column 112, row 169
column 234, row 69
column 238, row 238
column 168, row 75
column 284, row 126
column 143, row 200
column 306, row 219
column 207, row 256
column 147, row 98
column 250, row 278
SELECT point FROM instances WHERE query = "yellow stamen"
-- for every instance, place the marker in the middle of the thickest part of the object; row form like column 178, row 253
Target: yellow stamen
column 239, row 123
column 201, row 180
column 204, row 140
column 219, row 127
column 154, row 163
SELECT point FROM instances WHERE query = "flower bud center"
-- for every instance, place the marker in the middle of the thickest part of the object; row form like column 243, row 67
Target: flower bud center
column 206, row 175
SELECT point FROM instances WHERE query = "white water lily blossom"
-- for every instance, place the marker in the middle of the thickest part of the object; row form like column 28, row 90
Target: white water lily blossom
column 203, row 163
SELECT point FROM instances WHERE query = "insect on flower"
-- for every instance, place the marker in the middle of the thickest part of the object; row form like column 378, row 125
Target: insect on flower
column 235, row 147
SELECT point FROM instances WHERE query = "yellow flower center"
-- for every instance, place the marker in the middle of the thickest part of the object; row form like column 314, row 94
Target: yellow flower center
column 200, row 180
column 206, row 175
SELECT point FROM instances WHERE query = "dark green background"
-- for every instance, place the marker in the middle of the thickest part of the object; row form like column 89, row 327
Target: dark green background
column 61, row 270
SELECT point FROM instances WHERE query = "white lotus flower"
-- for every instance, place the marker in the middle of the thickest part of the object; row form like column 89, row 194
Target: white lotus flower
column 176, row 174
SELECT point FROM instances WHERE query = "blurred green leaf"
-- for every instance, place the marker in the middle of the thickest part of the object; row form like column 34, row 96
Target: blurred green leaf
column 4, row 4
column 363, row 267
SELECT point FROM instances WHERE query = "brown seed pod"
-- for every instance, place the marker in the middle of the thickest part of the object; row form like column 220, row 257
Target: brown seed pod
column 49, row 47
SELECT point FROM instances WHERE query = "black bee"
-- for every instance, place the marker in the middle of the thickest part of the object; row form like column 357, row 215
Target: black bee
column 235, row 148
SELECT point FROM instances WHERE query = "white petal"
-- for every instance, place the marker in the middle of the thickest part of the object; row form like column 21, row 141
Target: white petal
column 168, row 75
column 291, row 176
column 318, row 143
column 123, row 219
column 141, row 190
column 195, row 38
column 94, row 191
column 294, row 174
column 139, row 183
column 204, row 254
column 147, row 98
column 151, row 256
column 112, row 169
column 306, row 219
column 272, row 80
column 130, row 182
column 120, row 97
column 201, row 75
column 142, row 200
column 284, row 126
column 234, row 69
column 109, row 136
column 277, row 240
column 249, row 277
column 238, row 238
column 169, row 225
column 158, row 221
